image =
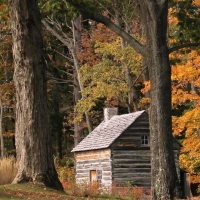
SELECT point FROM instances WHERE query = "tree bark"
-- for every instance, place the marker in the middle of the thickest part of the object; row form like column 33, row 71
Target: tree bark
column 132, row 101
column 77, row 33
column 163, row 171
column 33, row 141
column 1, row 130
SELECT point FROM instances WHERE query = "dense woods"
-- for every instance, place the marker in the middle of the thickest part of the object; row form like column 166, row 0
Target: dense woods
column 133, row 55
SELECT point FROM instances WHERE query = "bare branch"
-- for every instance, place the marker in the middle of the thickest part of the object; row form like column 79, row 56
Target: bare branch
column 65, row 72
column 183, row 46
column 139, row 76
column 65, row 41
column 104, row 7
column 61, row 80
column 69, row 60
column 139, row 48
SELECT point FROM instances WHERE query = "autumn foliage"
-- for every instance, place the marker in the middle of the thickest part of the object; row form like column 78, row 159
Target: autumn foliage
column 185, row 92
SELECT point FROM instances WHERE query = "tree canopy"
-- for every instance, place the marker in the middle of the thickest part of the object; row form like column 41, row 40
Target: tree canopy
column 130, row 54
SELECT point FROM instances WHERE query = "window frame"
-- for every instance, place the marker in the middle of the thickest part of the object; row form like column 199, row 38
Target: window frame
column 145, row 140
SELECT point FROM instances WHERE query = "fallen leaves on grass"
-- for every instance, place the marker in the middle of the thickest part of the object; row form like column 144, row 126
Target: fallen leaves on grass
column 31, row 195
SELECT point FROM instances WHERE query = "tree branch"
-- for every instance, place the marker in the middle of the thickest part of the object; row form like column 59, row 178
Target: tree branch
column 58, row 79
column 183, row 46
column 69, row 60
column 138, row 76
column 139, row 48
column 56, row 34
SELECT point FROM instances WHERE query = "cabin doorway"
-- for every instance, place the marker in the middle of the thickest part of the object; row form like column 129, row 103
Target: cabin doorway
column 96, row 176
column 93, row 176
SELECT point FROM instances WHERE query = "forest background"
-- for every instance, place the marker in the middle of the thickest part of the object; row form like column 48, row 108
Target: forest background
column 90, row 67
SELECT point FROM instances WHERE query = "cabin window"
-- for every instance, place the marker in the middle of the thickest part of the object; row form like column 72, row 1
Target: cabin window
column 96, row 176
column 99, row 176
column 144, row 140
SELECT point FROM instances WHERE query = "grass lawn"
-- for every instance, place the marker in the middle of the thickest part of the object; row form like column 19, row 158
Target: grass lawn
column 32, row 192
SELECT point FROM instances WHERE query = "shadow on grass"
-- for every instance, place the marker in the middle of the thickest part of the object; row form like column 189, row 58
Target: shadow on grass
column 31, row 191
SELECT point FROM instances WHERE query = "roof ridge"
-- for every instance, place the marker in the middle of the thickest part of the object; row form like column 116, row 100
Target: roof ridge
column 107, row 131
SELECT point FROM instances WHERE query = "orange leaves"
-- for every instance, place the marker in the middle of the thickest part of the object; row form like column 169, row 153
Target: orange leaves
column 196, row 2
column 185, row 91
column 189, row 123
column 146, row 87
column 98, row 33
column 3, row 13
column 185, row 77
column 172, row 20
column 7, row 93
column 190, row 156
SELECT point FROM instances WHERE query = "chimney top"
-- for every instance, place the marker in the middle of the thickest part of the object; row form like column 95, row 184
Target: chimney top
column 109, row 113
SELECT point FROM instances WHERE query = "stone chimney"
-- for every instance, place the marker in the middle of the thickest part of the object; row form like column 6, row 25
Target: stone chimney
column 109, row 113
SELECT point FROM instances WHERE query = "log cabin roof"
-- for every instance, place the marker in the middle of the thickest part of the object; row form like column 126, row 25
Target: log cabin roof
column 107, row 132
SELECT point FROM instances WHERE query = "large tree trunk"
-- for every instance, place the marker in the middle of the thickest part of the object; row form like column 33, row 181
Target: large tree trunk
column 163, row 171
column 1, row 130
column 33, row 141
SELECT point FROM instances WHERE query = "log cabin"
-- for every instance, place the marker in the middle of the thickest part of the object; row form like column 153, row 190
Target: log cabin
column 118, row 151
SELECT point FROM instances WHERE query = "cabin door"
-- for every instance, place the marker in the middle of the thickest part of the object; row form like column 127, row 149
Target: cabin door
column 93, row 176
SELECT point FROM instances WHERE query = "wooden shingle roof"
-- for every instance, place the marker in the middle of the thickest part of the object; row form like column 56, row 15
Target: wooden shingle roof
column 107, row 132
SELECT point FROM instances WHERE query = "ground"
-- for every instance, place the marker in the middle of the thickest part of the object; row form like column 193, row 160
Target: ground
column 32, row 192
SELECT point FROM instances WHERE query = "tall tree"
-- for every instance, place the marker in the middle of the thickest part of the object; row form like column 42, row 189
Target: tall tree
column 73, row 44
column 1, row 131
column 33, row 141
column 154, row 19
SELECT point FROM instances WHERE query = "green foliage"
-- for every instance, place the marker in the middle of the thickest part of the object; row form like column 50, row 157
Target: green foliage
column 4, row 12
column 60, row 12
column 188, row 15
column 107, row 79
column 31, row 191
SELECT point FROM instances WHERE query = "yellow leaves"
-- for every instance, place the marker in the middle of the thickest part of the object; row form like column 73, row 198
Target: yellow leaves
column 119, row 55
column 108, row 78
column 83, row 105
column 143, row 102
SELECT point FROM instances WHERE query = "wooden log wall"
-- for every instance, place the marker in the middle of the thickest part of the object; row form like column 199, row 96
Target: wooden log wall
column 131, row 162
column 125, row 161
column 94, row 160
